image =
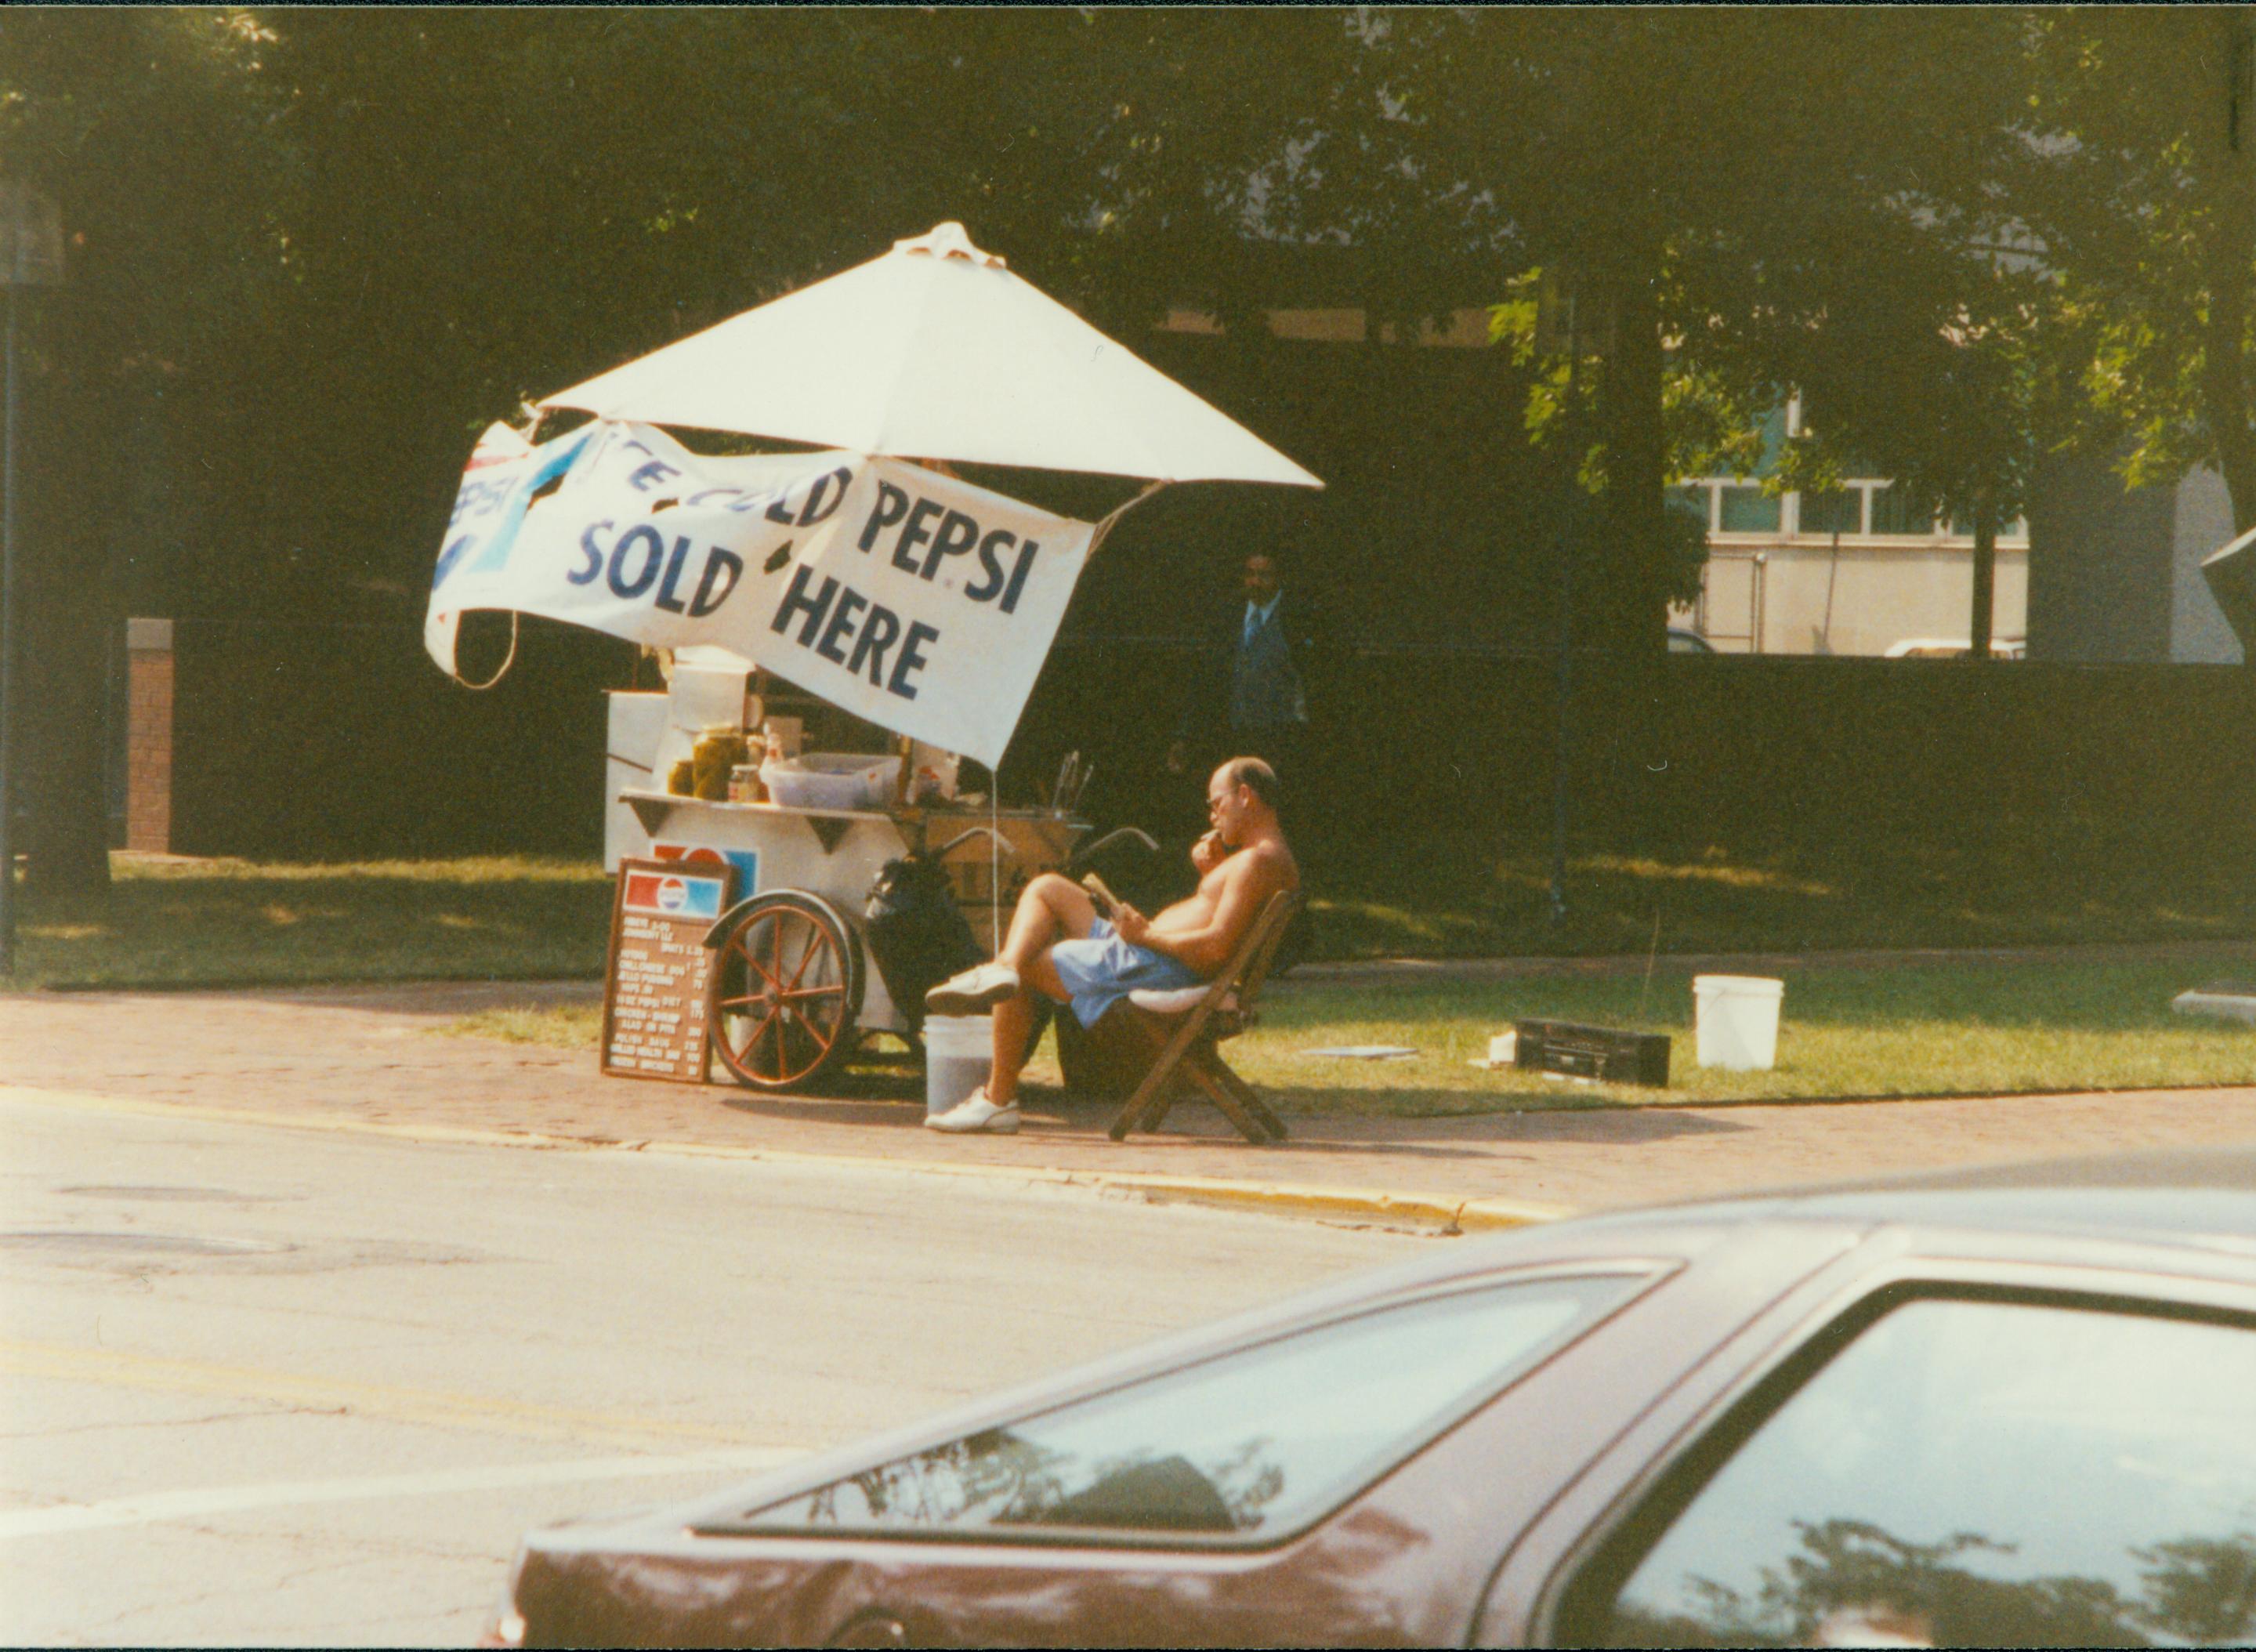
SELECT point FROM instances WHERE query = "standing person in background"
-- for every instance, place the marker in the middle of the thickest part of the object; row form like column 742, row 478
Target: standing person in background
column 1250, row 690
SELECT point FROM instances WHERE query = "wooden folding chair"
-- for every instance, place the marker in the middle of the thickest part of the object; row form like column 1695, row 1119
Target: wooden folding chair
column 1182, row 1044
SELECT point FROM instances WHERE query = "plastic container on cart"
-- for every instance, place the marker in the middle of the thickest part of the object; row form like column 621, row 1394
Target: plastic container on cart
column 958, row 1053
column 831, row 779
column 1735, row 1018
column 932, row 773
column 789, row 733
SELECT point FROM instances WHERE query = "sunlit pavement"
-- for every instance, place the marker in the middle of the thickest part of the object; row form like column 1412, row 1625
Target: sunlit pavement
column 274, row 1386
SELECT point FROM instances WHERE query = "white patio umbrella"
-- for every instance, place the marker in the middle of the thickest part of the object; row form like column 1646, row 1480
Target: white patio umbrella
column 935, row 350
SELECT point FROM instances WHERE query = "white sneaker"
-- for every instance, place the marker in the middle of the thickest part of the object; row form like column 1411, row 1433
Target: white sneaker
column 976, row 1113
column 974, row 992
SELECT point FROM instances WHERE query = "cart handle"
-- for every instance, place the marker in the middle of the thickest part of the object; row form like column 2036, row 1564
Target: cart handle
column 1136, row 832
column 953, row 844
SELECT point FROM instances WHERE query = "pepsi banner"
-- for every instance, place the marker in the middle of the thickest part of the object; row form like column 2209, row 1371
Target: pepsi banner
column 917, row 602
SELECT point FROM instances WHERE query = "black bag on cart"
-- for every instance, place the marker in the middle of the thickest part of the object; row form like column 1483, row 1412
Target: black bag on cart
column 917, row 933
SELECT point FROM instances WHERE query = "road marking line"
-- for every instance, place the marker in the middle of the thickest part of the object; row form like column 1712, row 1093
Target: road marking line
column 1447, row 1211
column 481, row 1413
column 154, row 1507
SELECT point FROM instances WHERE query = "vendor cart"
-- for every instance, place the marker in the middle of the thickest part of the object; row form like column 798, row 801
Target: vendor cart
column 855, row 569
column 795, row 990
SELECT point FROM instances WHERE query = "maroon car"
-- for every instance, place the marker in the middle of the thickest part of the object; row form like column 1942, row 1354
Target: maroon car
column 2005, row 1408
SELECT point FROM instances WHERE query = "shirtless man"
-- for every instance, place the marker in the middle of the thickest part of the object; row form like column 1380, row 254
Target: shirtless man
column 1058, row 945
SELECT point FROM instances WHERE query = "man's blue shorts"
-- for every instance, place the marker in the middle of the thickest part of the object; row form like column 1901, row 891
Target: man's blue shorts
column 1101, row 970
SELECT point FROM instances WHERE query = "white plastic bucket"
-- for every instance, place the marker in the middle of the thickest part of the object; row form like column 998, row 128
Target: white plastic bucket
column 1736, row 1021
column 958, row 1052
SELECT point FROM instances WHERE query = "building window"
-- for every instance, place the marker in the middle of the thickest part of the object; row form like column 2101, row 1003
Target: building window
column 1772, row 429
column 1695, row 500
column 1895, row 510
column 1963, row 528
column 1748, row 510
column 1836, row 511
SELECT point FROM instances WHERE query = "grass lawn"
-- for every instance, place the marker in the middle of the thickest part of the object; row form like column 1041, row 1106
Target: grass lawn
column 233, row 923
column 1958, row 1028
column 1458, row 898
column 1975, row 1029
column 1953, row 1028
column 227, row 922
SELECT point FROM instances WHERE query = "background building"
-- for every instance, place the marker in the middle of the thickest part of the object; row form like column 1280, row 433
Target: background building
column 1858, row 570
column 2119, row 569
column 2097, row 573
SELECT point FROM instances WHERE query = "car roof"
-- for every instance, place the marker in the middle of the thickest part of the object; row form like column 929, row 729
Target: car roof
column 2175, row 1195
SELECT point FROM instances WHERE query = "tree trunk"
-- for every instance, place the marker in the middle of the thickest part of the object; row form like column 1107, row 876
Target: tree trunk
column 67, row 434
column 1985, row 574
column 1628, row 611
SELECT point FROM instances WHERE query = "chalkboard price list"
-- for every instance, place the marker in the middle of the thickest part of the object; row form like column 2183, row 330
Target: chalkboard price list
column 654, row 988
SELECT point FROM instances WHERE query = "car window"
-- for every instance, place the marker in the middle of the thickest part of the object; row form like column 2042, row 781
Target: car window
column 1253, row 1441
column 1972, row 1472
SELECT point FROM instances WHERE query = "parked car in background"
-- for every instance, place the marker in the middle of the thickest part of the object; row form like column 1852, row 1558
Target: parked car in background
column 2002, row 1407
column 1955, row 649
column 1687, row 642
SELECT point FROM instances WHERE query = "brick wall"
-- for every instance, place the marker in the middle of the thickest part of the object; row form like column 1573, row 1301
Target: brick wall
column 149, row 734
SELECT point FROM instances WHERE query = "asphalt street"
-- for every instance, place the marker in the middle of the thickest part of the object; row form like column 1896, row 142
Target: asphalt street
column 266, row 1386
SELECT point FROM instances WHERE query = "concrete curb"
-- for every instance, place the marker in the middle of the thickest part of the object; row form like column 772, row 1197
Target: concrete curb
column 1447, row 1213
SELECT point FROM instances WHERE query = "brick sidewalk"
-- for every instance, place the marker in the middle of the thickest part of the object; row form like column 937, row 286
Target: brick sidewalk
column 371, row 1054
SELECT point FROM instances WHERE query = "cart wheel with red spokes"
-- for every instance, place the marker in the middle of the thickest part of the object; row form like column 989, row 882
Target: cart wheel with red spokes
column 785, row 990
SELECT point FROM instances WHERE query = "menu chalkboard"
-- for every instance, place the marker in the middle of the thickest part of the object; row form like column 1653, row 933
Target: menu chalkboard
column 654, row 982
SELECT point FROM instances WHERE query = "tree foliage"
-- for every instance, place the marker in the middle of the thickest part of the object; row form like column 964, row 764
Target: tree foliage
column 317, row 249
column 155, row 131
column 2143, row 195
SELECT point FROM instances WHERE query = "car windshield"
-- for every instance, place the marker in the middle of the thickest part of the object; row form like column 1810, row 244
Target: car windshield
column 1251, row 1442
